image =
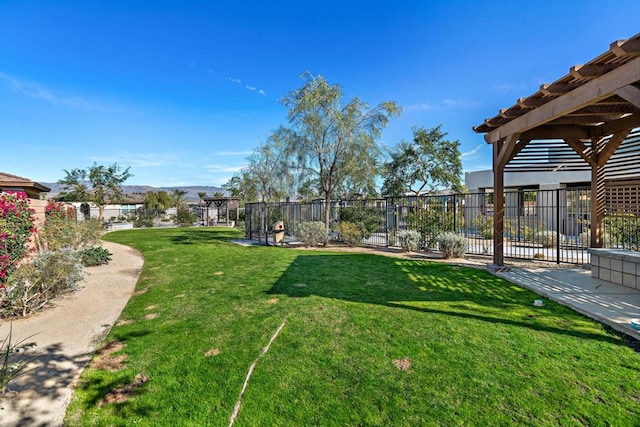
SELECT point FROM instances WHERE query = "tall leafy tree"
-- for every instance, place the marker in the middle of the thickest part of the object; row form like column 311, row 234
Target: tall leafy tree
column 157, row 202
column 98, row 184
column 333, row 140
column 428, row 163
column 269, row 170
column 242, row 186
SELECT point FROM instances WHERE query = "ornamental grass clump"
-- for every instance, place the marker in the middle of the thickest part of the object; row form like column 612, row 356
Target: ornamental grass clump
column 452, row 245
column 410, row 240
column 14, row 358
column 313, row 233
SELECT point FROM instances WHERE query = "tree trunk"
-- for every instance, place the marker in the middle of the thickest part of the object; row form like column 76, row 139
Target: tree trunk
column 327, row 213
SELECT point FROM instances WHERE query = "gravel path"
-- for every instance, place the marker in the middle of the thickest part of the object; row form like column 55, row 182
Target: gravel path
column 67, row 335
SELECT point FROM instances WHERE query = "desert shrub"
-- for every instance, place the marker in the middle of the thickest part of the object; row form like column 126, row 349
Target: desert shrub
column 140, row 221
column 89, row 231
column 61, row 232
column 548, row 238
column 311, row 233
column 368, row 220
column 184, row 218
column 430, row 221
column 14, row 358
column 484, row 226
column 452, row 245
column 95, row 255
column 349, row 233
column 34, row 284
column 410, row 240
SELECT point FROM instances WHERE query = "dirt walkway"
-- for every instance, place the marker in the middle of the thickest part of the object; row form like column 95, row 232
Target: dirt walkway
column 67, row 335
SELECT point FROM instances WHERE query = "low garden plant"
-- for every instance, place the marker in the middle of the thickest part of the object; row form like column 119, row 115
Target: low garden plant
column 410, row 240
column 28, row 284
column 14, row 359
column 48, row 275
column 349, row 233
column 312, row 233
column 363, row 340
column 95, row 255
column 452, row 245
column 548, row 238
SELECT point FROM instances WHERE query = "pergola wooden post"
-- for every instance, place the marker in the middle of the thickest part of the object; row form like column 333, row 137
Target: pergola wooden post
column 592, row 110
column 498, row 206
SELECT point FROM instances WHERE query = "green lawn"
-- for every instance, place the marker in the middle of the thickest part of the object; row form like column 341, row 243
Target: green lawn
column 479, row 352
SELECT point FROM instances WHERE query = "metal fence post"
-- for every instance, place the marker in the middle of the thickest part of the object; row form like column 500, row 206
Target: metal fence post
column 557, row 226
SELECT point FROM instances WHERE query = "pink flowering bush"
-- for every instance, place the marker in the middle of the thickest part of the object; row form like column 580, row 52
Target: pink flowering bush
column 59, row 210
column 16, row 229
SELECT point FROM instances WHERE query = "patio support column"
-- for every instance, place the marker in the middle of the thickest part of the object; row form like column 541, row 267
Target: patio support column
column 600, row 154
column 498, row 206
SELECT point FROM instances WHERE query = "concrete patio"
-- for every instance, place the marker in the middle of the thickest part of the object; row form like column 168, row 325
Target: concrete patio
column 613, row 305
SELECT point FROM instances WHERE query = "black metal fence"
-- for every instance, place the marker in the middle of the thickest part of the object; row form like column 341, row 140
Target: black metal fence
column 550, row 225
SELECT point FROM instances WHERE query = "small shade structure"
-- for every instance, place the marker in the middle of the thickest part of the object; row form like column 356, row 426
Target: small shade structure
column 223, row 206
column 581, row 121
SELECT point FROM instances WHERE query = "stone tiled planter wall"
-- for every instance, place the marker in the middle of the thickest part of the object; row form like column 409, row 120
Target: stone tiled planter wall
column 119, row 226
column 617, row 266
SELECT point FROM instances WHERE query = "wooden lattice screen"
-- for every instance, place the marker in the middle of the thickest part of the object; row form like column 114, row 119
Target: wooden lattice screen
column 623, row 196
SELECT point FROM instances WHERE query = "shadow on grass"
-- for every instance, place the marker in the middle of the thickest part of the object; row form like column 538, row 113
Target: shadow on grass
column 192, row 236
column 424, row 287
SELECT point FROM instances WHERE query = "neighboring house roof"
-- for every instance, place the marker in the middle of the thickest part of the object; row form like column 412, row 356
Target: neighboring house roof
column 10, row 182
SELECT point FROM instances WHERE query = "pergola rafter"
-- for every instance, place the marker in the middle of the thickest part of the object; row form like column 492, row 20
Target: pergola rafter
column 591, row 111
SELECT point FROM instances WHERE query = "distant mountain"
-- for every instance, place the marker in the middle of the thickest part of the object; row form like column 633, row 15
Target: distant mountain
column 191, row 196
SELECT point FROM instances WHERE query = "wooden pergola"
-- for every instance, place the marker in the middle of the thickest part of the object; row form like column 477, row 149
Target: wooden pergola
column 579, row 121
column 218, row 202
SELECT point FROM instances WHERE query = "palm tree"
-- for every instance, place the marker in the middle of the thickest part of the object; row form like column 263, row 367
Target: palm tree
column 177, row 198
column 202, row 195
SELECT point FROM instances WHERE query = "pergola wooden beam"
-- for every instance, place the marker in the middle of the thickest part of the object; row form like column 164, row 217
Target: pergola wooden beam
column 579, row 97
column 625, row 47
column 605, row 153
column 631, row 93
column 579, row 147
column 590, row 71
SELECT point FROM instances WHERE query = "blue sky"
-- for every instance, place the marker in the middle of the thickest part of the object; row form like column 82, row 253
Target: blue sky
column 182, row 92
